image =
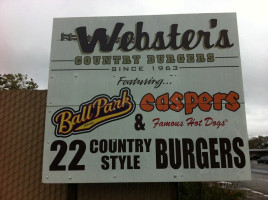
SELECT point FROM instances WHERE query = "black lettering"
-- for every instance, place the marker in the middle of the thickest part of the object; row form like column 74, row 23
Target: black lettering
column 206, row 39
column 175, row 153
column 98, row 36
column 130, row 142
column 223, row 41
column 122, row 160
column 147, row 143
column 159, row 42
column 213, row 153
column 239, row 161
column 129, row 166
column 105, row 164
column 141, row 37
column 201, row 157
column 122, row 147
column 188, row 156
column 187, row 38
column 225, row 149
column 112, row 146
column 138, row 145
column 113, row 158
column 92, row 146
column 161, row 156
column 103, row 146
column 136, row 162
column 126, row 40
column 173, row 37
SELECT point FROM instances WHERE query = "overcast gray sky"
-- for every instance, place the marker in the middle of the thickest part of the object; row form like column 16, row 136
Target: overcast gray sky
column 26, row 28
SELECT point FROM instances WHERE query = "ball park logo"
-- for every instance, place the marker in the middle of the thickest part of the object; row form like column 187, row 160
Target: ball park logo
column 94, row 113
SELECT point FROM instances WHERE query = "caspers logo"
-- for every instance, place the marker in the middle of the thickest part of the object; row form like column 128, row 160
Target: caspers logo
column 140, row 40
column 94, row 113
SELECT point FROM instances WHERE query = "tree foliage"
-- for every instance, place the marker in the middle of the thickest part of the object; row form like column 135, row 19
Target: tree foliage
column 210, row 191
column 16, row 82
column 259, row 142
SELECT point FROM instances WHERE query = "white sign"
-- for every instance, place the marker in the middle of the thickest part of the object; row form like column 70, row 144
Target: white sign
column 145, row 99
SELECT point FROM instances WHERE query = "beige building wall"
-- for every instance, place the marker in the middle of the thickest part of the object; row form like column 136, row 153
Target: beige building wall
column 22, row 121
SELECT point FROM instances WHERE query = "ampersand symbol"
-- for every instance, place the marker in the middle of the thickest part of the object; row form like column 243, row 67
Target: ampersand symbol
column 139, row 125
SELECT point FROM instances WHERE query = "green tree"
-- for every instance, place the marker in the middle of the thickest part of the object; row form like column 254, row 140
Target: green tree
column 259, row 142
column 16, row 82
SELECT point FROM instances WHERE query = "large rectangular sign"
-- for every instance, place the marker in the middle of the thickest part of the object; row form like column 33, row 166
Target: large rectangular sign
column 145, row 99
